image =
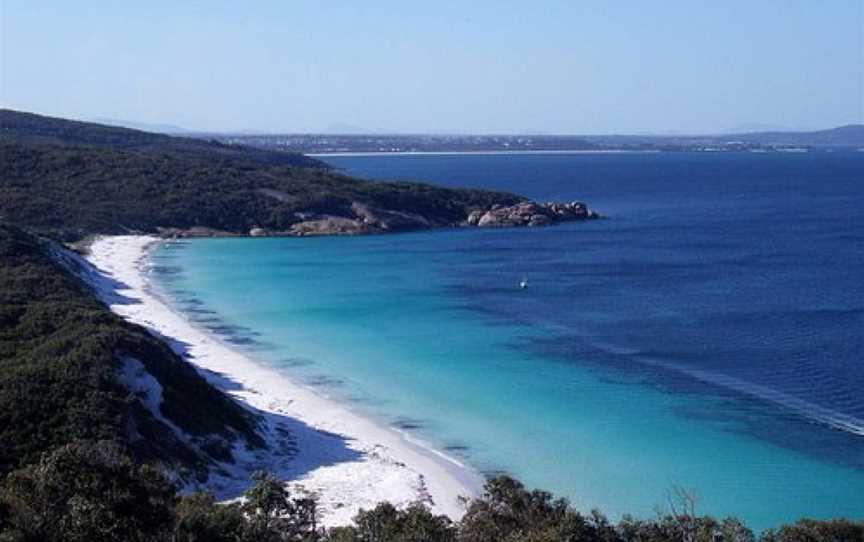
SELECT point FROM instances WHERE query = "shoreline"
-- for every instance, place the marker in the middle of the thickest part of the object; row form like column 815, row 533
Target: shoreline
column 448, row 153
column 348, row 460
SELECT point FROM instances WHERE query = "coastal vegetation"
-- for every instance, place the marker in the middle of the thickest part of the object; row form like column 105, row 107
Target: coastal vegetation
column 91, row 491
column 84, row 178
column 62, row 360
column 29, row 128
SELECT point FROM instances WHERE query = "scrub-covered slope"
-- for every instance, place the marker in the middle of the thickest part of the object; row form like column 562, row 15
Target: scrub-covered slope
column 71, row 370
column 81, row 190
column 30, row 128
column 72, row 179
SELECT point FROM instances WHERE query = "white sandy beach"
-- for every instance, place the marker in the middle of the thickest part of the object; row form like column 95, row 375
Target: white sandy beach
column 348, row 460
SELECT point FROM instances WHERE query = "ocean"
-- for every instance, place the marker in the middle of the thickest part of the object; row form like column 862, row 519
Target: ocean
column 708, row 334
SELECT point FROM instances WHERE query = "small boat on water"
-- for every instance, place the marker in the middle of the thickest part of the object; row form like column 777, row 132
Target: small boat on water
column 523, row 283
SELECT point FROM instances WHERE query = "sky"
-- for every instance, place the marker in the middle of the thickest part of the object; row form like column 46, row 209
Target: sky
column 554, row 67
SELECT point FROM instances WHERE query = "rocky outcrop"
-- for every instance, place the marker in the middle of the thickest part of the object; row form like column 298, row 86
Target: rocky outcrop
column 529, row 213
column 195, row 231
column 362, row 218
column 387, row 220
column 330, row 225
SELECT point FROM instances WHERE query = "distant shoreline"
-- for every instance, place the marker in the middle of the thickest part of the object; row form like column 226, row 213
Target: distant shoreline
column 414, row 153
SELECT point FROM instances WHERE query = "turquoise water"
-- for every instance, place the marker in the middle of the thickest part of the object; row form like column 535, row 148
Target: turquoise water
column 697, row 338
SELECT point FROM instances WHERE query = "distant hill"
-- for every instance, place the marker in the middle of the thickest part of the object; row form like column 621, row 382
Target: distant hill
column 22, row 127
column 750, row 127
column 851, row 135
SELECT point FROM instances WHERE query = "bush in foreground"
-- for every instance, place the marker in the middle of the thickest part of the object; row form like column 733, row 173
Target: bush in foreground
column 88, row 492
column 92, row 491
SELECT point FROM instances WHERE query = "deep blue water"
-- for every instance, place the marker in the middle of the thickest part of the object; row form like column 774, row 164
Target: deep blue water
column 708, row 334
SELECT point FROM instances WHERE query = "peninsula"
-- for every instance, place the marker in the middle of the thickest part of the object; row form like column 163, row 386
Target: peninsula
column 71, row 179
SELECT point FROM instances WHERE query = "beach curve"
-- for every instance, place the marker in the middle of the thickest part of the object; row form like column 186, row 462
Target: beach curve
column 349, row 461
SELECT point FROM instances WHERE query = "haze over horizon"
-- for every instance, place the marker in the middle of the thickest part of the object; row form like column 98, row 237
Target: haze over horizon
column 592, row 68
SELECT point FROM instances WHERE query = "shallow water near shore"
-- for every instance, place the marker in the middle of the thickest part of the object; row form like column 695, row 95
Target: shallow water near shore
column 707, row 335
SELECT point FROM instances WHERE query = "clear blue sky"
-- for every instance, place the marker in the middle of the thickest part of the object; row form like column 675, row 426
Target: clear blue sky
column 497, row 66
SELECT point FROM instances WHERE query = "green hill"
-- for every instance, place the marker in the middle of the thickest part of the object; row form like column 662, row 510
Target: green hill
column 30, row 128
column 72, row 179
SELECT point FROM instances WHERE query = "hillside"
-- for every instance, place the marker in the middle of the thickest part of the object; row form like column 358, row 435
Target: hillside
column 75, row 191
column 72, row 179
column 65, row 366
column 29, row 128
